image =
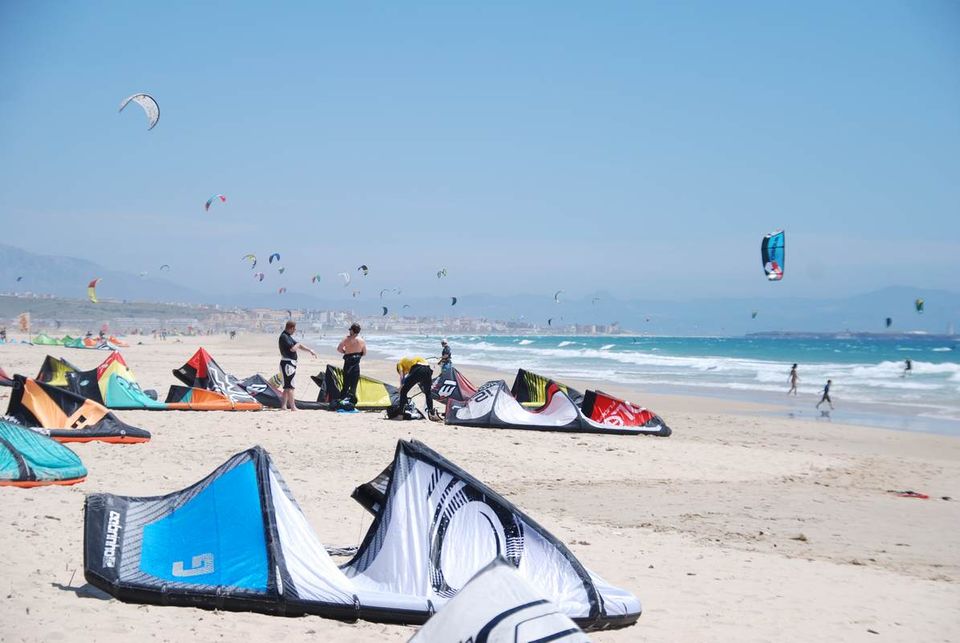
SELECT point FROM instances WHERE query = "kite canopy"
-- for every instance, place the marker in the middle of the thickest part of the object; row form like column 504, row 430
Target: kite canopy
column 274, row 257
column 385, row 311
column 267, row 394
column 252, row 259
column 372, row 394
column 66, row 416
column 149, row 105
column 441, row 273
column 45, row 340
column 453, row 301
column 346, row 278
column 494, row 407
column 499, row 605
column 238, row 540
column 206, row 206
column 772, row 255
column 601, row 408
column 889, row 322
column 54, row 371
column 530, row 389
column 201, row 371
column 918, row 305
column 281, row 290
column 556, row 296
column 315, row 278
column 364, row 270
column 452, row 385
column 30, row 459
column 112, row 384
column 92, row 289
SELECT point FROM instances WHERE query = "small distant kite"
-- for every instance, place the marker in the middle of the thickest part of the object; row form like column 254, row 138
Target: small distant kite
column 889, row 322
column 143, row 274
column 355, row 293
column 92, row 290
column 384, row 311
column 259, row 276
column 281, row 270
column 594, row 300
column 346, row 278
column 315, row 278
column 772, row 252
column 753, row 315
column 363, row 268
column 289, row 314
column 274, row 256
column 281, row 290
column 223, row 199
column 20, row 278
column 252, row 259
column 550, row 322
column 441, row 273
column 556, row 296
column 918, row 304
column 149, row 105
column 405, row 306
column 165, row 266
column 453, row 301
column 383, row 291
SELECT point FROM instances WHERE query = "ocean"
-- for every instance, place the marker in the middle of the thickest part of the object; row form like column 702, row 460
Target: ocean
column 869, row 386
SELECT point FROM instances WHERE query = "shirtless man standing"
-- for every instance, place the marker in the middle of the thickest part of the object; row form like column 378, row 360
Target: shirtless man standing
column 352, row 348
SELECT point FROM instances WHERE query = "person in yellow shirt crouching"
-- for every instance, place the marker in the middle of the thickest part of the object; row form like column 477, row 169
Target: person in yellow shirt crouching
column 415, row 371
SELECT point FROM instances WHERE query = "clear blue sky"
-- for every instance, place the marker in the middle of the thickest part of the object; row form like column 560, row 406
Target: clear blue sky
column 642, row 148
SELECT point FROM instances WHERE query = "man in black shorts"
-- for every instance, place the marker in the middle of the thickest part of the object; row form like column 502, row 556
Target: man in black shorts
column 826, row 395
column 288, row 363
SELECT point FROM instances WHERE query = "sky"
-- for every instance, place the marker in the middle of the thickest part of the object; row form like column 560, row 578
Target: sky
column 641, row 148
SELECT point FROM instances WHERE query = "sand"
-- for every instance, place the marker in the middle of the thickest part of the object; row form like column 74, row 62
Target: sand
column 740, row 527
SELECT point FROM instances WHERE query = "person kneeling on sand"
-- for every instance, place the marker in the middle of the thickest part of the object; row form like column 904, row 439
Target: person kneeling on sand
column 416, row 371
column 288, row 363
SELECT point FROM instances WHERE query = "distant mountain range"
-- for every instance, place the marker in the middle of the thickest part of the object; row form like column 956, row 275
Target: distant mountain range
column 68, row 277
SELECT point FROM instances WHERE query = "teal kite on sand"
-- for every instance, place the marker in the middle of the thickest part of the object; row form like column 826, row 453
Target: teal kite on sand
column 31, row 459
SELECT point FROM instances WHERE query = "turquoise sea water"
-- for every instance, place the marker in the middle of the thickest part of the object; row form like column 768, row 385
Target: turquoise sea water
column 869, row 386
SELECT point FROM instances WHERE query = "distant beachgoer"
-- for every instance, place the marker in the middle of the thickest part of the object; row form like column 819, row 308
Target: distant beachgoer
column 233, row 334
column 908, row 367
column 794, row 379
column 288, row 363
column 3, row 334
column 414, row 371
column 353, row 349
column 826, row 395
column 446, row 358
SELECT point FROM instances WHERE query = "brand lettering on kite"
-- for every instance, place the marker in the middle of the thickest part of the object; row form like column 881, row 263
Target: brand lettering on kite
column 447, row 389
column 111, row 542
column 201, row 565
column 485, row 391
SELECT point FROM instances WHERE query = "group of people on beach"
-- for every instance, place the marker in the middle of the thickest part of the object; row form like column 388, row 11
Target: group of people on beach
column 413, row 371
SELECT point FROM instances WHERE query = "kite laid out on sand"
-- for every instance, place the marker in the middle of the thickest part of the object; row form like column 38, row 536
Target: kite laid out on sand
column 772, row 255
column 530, row 389
column 499, row 605
column 494, row 407
column 66, row 416
column 31, row 459
column 202, row 372
column 238, row 540
column 149, row 105
column 112, row 384
column 372, row 394
column 451, row 384
column 264, row 392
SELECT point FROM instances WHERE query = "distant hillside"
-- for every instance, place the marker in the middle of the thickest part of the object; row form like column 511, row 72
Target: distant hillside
column 68, row 277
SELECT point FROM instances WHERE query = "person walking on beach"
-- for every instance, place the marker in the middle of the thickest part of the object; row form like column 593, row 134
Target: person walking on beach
column 414, row 371
column 353, row 349
column 826, row 395
column 793, row 379
column 288, row 363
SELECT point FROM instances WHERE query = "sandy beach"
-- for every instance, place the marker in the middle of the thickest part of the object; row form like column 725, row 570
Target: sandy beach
column 740, row 526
